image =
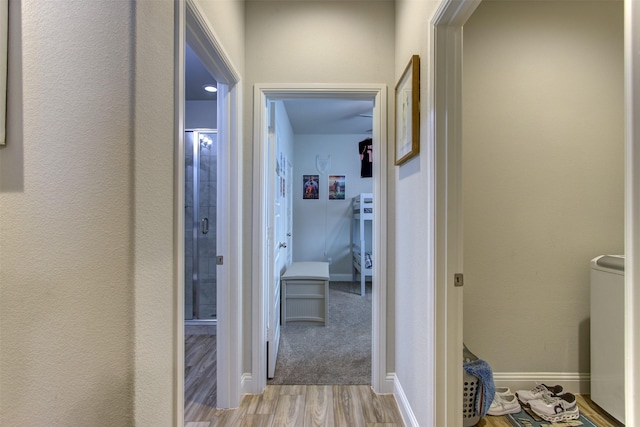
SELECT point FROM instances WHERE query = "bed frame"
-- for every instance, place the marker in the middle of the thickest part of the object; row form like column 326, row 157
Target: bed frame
column 362, row 208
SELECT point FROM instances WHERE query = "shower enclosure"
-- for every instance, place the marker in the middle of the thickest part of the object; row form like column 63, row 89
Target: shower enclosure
column 200, row 224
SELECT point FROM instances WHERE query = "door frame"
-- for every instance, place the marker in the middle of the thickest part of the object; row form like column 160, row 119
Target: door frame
column 380, row 380
column 447, row 26
column 448, row 23
column 192, row 27
column 632, row 209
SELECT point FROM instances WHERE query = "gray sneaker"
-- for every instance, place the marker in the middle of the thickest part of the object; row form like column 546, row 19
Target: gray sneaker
column 556, row 408
column 537, row 392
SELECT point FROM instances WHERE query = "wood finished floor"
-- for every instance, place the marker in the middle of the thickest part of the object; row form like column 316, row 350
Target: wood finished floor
column 308, row 406
column 279, row 405
column 199, row 377
column 305, row 405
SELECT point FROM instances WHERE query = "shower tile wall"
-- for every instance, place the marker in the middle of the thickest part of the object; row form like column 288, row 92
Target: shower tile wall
column 207, row 242
column 207, row 248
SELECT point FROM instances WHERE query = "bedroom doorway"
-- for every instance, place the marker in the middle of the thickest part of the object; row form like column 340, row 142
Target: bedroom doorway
column 323, row 161
column 264, row 95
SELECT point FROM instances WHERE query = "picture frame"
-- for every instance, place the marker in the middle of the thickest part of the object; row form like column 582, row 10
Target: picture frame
column 407, row 117
column 337, row 187
column 310, row 187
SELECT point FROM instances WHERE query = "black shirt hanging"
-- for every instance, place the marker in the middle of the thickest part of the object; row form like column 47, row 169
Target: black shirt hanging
column 365, row 148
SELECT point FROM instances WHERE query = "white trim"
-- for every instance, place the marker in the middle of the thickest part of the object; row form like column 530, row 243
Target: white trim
column 194, row 28
column 572, row 382
column 204, row 42
column 632, row 210
column 408, row 416
column 447, row 48
column 246, row 383
column 179, row 231
column 378, row 93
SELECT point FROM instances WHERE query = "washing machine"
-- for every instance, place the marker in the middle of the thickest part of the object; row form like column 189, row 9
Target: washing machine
column 607, row 334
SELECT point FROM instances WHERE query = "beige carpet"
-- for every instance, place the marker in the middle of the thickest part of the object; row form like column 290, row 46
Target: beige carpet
column 339, row 353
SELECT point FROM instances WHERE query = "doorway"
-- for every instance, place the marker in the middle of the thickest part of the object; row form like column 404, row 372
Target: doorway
column 318, row 145
column 543, row 180
column 448, row 59
column 225, row 260
column 265, row 94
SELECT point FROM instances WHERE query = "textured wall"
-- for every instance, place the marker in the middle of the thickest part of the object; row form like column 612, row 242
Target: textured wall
column 66, row 275
column 87, row 268
column 543, row 176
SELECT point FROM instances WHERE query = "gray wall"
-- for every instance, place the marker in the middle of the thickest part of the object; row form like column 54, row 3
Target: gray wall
column 543, row 176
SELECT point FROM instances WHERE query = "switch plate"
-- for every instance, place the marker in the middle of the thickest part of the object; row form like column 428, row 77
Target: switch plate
column 458, row 279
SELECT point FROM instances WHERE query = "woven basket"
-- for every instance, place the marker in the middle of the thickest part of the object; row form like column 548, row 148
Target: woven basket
column 472, row 390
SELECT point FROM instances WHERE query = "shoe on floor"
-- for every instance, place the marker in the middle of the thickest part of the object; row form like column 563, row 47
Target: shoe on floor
column 503, row 391
column 556, row 408
column 504, row 404
column 537, row 392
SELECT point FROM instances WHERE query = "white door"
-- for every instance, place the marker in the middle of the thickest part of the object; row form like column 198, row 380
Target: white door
column 276, row 240
column 288, row 188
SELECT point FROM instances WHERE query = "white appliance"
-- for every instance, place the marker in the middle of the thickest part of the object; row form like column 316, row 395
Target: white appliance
column 607, row 334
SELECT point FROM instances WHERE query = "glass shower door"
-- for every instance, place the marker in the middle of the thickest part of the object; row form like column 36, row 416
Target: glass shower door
column 200, row 224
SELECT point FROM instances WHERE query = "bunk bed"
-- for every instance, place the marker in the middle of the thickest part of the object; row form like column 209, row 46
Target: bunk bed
column 362, row 212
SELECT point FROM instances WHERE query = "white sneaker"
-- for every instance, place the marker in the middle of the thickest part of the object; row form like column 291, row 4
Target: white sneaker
column 504, row 404
column 503, row 391
column 537, row 392
column 556, row 408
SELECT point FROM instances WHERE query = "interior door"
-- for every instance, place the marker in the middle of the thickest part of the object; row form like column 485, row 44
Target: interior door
column 276, row 241
column 288, row 188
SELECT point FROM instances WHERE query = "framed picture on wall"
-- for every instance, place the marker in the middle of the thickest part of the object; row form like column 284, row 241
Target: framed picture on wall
column 337, row 187
column 407, row 118
column 310, row 186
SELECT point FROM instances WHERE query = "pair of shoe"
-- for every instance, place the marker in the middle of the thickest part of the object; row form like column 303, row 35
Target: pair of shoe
column 549, row 403
column 504, row 402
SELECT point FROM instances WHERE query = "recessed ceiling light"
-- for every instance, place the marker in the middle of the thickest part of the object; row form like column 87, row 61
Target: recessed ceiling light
column 210, row 88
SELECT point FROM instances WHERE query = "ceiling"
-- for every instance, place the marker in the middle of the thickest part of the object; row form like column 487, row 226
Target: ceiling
column 307, row 116
column 196, row 76
column 330, row 116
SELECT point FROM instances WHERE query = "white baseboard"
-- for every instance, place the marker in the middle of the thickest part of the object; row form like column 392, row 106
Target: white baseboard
column 246, row 384
column 576, row 383
column 387, row 384
column 403, row 404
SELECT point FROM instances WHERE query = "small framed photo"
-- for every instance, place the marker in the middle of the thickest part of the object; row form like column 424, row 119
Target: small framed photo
column 407, row 119
column 336, row 187
column 311, row 187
